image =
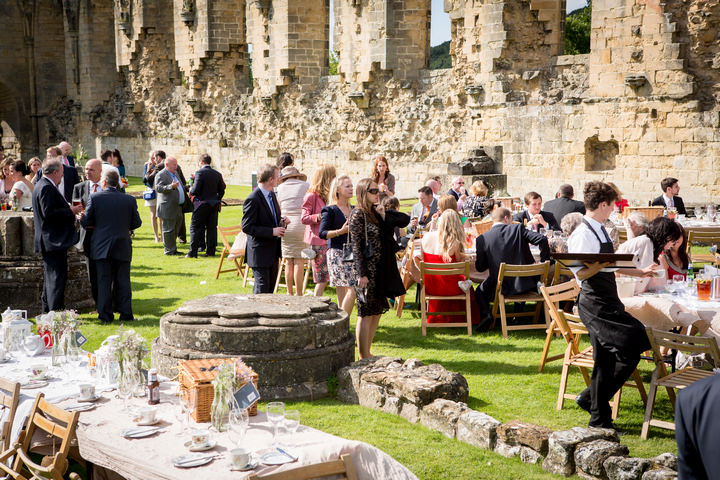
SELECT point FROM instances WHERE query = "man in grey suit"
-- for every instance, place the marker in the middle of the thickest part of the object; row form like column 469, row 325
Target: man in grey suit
column 171, row 195
column 81, row 193
column 421, row 214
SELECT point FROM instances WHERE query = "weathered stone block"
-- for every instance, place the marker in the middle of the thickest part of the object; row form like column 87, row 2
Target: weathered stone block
column 623, row 468
column 660, row 474
column 478, row 429
column 506, row 450
column 665, row 460
column 560, row 458
column 521, row 433
column 442, row 415
column 589, row 457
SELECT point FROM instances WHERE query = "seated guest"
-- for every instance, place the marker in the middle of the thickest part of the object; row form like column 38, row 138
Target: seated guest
column 570, row 222
column 422, row 212
column 533, row 216
column 446, row 202
column 21, row 188
column 638, row 242
column 457, row 190
column 510, row 243
column 563, row 203
column 474, row 205
column 669, row 198
column 435, row 185
column 621, row 202
column 445, row 245
column 669, row 246
column 491, row 205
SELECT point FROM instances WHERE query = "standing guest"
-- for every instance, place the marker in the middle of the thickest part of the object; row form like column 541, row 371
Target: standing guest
column 112, row 214
column 264, row 226
column 118, row 163
column 617, row 337
column 52, row 152
column 563, row 203
column 422, row 212
column 669, row 198
column 509, row 243
column 106, row 157
column 151, row 203
column 67, row 159
column 290, row 194
column 21, row 188
column 697, row 419
column 55, row 233
column 435, row 185
column 457, row 190
column 669, row 246
column 334, row 228
column 159, row 166
column 374, row 260
column 621, row 202
column 81, row 194
column 474, row 205
column 313, row 203
column 382, row 176
column 35, row 165
column 171, row 195
column 6, row 182
column 285, row 159
column 392, row 204
column 534, row 217
column 208, row 190
column 69, row 179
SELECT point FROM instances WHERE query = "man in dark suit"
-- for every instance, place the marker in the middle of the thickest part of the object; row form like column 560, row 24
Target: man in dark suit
column 457, row 190
column 564, row 203
column 208, row 189
column 669, row 198
column 67, row 159
column 510, row 243
column 55, row 233
column 113, row 215
column 697, row 420
column 534, row 217
column 264, row 226
column 150, row 177
column 81, row 193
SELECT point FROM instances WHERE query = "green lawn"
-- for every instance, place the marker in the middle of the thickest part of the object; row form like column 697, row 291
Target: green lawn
column 502, row 374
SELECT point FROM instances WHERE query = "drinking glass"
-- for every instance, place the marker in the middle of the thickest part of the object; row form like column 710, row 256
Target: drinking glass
column 292, row 421
column 188, row 402
column 125, row 390
column 275, row 414
column 238, row 423
column 670, row 286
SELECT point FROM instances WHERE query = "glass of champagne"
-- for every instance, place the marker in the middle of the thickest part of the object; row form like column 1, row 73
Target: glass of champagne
column 292, row 421
column 275, row 414
column 188, row 402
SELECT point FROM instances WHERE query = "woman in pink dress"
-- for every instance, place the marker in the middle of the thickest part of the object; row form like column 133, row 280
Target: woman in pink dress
column 315, row 199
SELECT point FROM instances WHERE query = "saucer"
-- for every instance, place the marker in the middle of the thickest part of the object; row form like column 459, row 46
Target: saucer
column 275, row 457
column 139, row 432
column 201, row 448
column 88, row 399
column 30, row 384
column 252, row 465
column 143, row 423
column 191, row 460
column 41, row 376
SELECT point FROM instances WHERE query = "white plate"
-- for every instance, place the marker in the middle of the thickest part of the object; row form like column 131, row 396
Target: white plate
column 192, row 460
column 201, row 448
column 139, row 432
column 78, row 407
column 250, row 466
column 30, row 384
column 89, row 399
column 275, row 458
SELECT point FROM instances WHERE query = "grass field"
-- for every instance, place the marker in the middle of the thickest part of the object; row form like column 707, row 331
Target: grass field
column 502, row 374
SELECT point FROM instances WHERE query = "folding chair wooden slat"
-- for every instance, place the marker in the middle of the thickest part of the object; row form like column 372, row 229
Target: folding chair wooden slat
column 458, row 268
column 405, row 275
column 9, row 396
column 225, row 233
column 540, row 270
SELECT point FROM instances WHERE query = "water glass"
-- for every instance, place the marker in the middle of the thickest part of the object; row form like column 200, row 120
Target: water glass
column 292, row 421
column 238, row 422
column 275, row 414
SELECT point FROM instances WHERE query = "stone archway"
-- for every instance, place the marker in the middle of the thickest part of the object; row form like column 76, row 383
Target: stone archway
column 9, row 122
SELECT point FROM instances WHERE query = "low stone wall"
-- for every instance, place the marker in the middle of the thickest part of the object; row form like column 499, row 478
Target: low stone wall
column 434, row 397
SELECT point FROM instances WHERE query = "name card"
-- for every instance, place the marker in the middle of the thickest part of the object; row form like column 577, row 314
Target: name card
column 80, row 339
column 247, row 395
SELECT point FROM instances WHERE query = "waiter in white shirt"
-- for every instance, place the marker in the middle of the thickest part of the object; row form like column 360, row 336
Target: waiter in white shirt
column 617, row 337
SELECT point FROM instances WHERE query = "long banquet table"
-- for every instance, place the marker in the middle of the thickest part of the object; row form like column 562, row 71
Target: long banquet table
column 100, row 441
column 665, row 311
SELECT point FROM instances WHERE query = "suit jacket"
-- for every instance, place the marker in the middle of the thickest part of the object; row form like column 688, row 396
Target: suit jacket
column 208, row 187
column 454, row 194
column 263, row 249
column 83, row 190
column 71, row 160
column 560, row 207
column 549, row 218
column 150, row 179
column 679, row 204
column 54, row 221
column 509, row 244
column 697, row 419
column 70, row 179
column 168, row 198
column 113, row 215
column 417, row 211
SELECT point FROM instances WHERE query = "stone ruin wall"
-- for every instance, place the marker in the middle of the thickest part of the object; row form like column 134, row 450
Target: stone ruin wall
column 643, row 105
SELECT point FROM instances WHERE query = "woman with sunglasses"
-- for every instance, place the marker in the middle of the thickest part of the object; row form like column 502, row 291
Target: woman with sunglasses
column 371, row 233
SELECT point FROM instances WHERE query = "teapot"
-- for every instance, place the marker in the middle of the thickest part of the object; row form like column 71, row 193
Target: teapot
column 34, row 345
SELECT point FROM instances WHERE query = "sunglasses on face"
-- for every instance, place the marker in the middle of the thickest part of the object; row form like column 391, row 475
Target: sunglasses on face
column 374, row 191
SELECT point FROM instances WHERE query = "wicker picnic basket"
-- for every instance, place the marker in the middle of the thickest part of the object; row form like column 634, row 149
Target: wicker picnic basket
column 651, row 213
column 198, row 375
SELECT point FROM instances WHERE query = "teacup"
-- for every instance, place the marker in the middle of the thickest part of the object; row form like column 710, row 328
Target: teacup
column 239, row 457
column 39, row 370
column 200, row 437
column 147, row 414
column 87, row 390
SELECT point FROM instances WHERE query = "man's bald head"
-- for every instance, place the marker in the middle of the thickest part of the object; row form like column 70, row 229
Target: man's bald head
column 502, row 215
column 434, row 186
column 171, row 164
column 93, row 170
column 65, row 148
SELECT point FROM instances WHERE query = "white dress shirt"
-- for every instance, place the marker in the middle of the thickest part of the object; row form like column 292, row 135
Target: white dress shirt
column 582, row 240
column 669, row 202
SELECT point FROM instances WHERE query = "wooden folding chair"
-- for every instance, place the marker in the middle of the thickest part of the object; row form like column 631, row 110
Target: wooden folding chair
column 567, row 291
column 9, row 396
column 225, row 233
column 708, row 236
column 678, row 379
column 56, row 423
column 506, row 270
column 342, row 466
column 482, row 227
column 572, row 330
column 307, row 267
column 405, row 275
column 462, row 268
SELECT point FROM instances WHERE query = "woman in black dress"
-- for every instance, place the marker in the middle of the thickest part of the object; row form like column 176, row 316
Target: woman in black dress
column 371, row 233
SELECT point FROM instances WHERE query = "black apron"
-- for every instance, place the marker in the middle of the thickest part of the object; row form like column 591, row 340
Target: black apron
column 604, row 315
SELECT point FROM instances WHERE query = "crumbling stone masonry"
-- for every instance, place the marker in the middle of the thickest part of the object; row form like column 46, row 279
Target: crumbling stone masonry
column 176, row 74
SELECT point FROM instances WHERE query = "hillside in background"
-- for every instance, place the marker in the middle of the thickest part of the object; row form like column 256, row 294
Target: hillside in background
column 577, row 31
column 440, row 56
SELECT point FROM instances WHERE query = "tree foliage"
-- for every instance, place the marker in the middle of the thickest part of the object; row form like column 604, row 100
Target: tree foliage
column 333, row 63
column 577, row 31
column 440, row 56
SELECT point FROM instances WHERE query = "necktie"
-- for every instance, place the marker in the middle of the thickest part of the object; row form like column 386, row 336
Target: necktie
column 272, row 206
column 607, row 237
column 95, row 187
column 671, row 203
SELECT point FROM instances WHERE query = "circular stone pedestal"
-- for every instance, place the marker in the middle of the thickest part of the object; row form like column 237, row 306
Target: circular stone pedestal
column 293, row 343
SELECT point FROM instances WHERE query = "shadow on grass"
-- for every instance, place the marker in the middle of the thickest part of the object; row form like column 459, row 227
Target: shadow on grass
column 152, row 306
column 406, row 337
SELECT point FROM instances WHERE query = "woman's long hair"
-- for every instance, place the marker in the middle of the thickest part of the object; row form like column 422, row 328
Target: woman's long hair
column 334, row 187
column 375, row 175
column 661, row 231
column 363, row 199
column 682, row 252
column 321, row 180
column 451, row 235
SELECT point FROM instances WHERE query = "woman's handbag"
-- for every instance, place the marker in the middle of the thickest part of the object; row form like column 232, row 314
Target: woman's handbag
column 347, row 253
column 149, row 194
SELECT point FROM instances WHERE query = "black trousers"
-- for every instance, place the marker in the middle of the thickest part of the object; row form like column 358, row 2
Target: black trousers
column 55, row 274
column 265, row 278
column 204, row 221
column 113, row 279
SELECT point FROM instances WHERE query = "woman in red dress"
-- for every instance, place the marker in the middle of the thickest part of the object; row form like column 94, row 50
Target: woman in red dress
column 445, row 245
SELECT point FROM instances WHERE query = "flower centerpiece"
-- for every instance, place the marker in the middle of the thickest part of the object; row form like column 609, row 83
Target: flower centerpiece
column 230, row 377
column 130, row 349
column 62, row 327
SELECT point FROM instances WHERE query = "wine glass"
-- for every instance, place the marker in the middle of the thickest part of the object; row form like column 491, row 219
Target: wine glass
column 275, row 414
column 292, row 421
column 125, row 389
column 238, row 423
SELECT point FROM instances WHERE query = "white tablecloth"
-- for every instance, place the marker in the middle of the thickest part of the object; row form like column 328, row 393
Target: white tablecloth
column 664, row 311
